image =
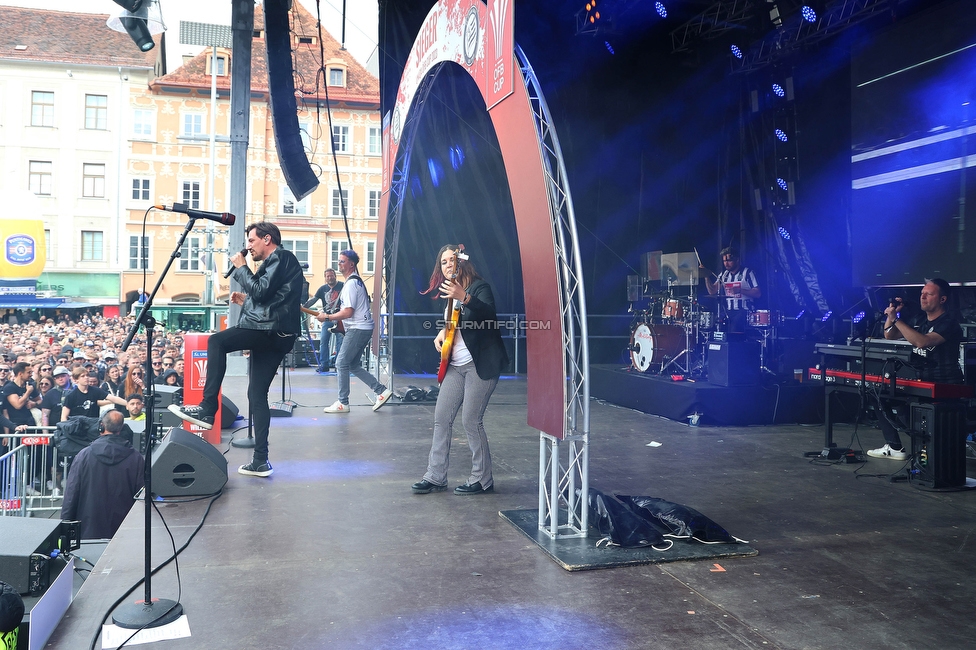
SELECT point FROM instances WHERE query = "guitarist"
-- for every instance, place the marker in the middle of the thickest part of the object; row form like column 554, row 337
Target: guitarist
column 355, row 315
column 328, row 295
column 477, row 358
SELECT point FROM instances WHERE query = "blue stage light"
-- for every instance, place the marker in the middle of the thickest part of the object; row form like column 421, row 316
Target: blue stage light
column 826, row 317
column 662, row 11
column 609, row 47
column 736, row 52
column 858, row 317
column 457, row 157
column 778, row 90
column 784, row 233
column 783, row 185
column 781, row 135
column 436, row 171
column 800, row 315
column 809, row 14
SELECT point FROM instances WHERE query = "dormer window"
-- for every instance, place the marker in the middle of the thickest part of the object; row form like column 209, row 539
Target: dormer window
column 337, row 73
column 221, row 65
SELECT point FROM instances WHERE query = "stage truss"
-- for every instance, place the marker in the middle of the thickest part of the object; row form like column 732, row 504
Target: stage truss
column 563, row 482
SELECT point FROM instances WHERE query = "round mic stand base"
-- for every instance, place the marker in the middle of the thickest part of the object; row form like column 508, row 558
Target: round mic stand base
column 243, row 443
column 138, row 615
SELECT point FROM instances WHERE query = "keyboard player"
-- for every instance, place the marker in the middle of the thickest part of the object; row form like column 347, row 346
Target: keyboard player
column 936, row 336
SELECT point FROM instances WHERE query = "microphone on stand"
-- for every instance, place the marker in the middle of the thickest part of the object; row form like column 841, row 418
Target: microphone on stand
column 225, row 218
column 232, row 267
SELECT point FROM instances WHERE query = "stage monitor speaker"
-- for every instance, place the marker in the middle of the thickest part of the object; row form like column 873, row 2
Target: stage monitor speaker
column 939, row 444
column 166, row 395
column 228, row 412
column 185, row 465
column 733, row 363
column 25, row 548
column 294, row 164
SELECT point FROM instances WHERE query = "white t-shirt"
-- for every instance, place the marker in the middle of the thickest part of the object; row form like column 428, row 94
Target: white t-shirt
column 354, row 295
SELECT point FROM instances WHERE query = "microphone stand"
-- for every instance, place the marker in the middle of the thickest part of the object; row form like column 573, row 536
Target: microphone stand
column 150, row 612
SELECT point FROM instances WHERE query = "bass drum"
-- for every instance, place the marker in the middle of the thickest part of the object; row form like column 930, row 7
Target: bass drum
column 652, row 345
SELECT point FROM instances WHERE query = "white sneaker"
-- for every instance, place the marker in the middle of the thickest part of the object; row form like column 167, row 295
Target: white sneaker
column 337, row 407
column 382, row 398
column 888, row 452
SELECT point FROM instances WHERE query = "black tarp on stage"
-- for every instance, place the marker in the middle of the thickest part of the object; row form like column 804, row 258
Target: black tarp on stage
column 774, row 403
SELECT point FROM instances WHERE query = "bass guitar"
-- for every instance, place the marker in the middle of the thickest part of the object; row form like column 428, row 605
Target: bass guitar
column 450, row 327
column 337, row 326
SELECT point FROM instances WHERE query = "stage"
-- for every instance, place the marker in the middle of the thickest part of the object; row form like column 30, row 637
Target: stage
column 789, row 402
column 334, row 551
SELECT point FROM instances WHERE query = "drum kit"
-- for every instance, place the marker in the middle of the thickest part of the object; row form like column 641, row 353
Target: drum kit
column 671, row 335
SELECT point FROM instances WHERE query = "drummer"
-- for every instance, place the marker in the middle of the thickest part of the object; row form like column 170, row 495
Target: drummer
column 739, row 286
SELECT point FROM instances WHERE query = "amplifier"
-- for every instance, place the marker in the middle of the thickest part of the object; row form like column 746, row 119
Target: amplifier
column 25, row 551
column 939, row 444
column 733, row 363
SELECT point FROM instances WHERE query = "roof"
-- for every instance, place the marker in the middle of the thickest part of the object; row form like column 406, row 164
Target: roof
column 361, row 86
column 42, row 35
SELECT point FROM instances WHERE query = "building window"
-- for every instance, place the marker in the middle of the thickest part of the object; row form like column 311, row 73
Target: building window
column 337, row 77
column 142, row 123
column 41, row 177
column 290, row 205
column 96, row 112
column 221, row 66
column 340, row 139
column 140, row 189
column 373, row 210
column 91, row 245
column 336, row 247
column 192, row 124
column 300, row 248
column 338, row 209
column 306, row 137
column 190, row 254
column 370, row 257
column 48, row 246
column 42, row 108
column 375, row 141
column 191, row 194
column 138, row 255
column 93, row 180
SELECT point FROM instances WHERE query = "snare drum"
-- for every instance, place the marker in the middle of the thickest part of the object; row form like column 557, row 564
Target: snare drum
column 674, row 309
column 760, row 318
column 653, row 345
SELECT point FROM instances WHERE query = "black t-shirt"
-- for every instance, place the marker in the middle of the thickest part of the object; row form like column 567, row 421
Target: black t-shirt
column 84, row 403
column 21, row 415
column 52, row 400
column 941, row 362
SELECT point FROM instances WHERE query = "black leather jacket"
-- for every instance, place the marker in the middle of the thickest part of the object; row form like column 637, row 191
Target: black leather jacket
column 274, row 294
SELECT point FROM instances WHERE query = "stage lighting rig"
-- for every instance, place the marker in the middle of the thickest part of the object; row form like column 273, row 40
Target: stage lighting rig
column 140, row 19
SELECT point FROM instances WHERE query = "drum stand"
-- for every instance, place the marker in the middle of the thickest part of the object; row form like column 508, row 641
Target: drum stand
column 767, row 333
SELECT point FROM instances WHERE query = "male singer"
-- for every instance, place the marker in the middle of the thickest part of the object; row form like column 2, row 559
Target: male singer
column 328, row 295
column 269, row 324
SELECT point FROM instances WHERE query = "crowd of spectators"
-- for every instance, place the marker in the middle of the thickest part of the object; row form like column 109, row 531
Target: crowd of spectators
column 62, row 352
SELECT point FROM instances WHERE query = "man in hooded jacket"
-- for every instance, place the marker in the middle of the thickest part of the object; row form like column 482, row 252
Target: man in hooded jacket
column 102, row 481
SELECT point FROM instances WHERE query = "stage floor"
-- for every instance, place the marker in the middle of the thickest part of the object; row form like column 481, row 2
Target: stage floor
column 333, row 551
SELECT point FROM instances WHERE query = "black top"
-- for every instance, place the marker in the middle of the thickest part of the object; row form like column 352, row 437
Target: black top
column 81, row 403
column 329, row 296
column 478, row 325
column 274, row 294
column 53, row 400
column 21, row 415
column 939, row 363
column 103, row 479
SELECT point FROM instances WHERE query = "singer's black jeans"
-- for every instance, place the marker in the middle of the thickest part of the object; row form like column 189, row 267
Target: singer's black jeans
column 267, row 350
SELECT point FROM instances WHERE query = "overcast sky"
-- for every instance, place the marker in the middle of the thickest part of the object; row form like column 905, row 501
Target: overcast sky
column 361, row 19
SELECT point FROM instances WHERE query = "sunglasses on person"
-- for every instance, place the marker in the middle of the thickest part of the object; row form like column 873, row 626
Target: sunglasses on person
column 45, row 384
column 4, row 369
column 46, row 368
column 157, row 363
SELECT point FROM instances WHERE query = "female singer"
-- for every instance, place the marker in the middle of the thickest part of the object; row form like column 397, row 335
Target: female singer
column 477, row 359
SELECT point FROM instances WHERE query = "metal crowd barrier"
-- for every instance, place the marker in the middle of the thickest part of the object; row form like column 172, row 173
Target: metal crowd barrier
column 31, row 474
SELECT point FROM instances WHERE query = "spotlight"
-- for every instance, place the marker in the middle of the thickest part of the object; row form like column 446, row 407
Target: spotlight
column 140, row 19
column 609, row 47
column 809, row 14
column 778, row 90
column 784, row 233
column 783, row 185
column 661, row 10
column 457, row 157
column 781, row 135
column 800, row 315
column 826, row 317
column 736, row 52
column 858, row 317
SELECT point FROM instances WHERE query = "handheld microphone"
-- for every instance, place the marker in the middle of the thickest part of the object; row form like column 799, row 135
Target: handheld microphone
column 225, row 218
column 232, row 267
